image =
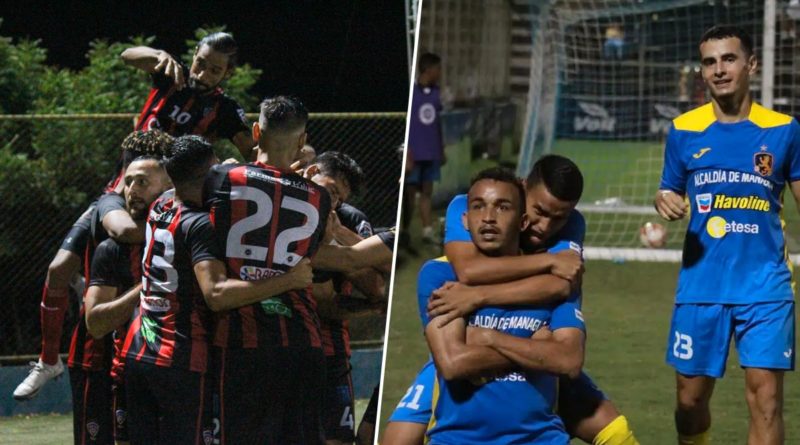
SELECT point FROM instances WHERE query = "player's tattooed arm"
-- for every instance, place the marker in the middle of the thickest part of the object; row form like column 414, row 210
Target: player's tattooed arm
column 105, row 312
column 474, row 268
column 120, row 225
column 455, row 359
column 559, row 352
column 153, row 60
column 223, row 293
column 456, row 300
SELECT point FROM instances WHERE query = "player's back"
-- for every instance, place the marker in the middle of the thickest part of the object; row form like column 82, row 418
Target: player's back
column 734, row 175
column 267, row 220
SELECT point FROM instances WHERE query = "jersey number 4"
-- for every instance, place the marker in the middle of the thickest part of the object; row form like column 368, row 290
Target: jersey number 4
column 236, row 248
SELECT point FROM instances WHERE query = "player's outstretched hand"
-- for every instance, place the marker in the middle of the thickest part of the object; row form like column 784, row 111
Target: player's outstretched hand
column 670, row 205
column 452, row 301
column 568, row 265
column 301, row 274
column 171, row 68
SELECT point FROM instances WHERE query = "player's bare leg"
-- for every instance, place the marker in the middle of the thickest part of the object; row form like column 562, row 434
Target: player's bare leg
column 55, row 298
column 693, row 414
column 425, row 194
column 764, row 394
column 404, row 433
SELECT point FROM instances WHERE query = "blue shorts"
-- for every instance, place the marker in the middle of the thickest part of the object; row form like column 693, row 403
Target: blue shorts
column 700, row 335
column 424, row 171
column 416, row 404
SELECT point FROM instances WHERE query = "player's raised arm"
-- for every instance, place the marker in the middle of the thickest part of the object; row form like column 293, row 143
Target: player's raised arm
column 455, row 359
column 223, row 293
column 371, row 252
column 153, row 60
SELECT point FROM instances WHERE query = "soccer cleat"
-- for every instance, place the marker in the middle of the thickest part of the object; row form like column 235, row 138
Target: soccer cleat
column 39, row 374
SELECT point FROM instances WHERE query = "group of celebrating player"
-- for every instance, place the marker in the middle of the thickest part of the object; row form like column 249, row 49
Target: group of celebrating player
column 204, row 319
column 501, row 311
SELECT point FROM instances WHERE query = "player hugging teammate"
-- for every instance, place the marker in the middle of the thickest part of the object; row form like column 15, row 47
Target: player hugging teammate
column 202, row 317
column 501, row 315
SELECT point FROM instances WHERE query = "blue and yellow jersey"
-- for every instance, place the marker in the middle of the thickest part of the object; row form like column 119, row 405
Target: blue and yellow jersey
column 733, row 175
column 571, row 236
column 514, row 408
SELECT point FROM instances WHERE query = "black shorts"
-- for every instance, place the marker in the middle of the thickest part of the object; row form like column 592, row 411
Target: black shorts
column 92, row 419
column 271, row 395
column 168, row 405
column 371, row 413
column 339, row 402
column 120, row 412
column 78, row 236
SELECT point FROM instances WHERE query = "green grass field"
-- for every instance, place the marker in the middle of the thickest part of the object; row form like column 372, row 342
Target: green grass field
column 56, row 429
column 627, row 309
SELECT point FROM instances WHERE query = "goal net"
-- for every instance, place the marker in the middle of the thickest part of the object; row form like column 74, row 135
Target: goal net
column 608, row 76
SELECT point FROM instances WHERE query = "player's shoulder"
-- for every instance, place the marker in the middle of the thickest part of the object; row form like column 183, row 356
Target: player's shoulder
column 458, row 203
column 765, row 118
column 349, row 211
column 696, row 120
column 436, row 267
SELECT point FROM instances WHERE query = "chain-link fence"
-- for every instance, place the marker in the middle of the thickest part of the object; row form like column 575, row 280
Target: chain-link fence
column 52, row 167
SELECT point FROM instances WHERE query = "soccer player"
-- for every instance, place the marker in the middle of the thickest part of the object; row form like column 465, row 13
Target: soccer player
column 425, row 144
column 116, row 268
column 731, row 159
column 516, row 363
column 190, row 100
column 341, row 176
column 269, row 219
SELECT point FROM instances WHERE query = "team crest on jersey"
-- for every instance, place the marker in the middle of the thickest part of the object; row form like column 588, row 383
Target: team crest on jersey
column 120, row 415
column 93, row 428
column 763, row 162
column 208, row 437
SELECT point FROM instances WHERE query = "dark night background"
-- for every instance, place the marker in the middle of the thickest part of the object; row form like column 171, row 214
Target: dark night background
column 342, row 55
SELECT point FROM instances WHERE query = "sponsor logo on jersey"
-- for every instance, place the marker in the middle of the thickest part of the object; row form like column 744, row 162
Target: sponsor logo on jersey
column 287, row 182
column 513, row 377
column 763, row 162
column 717, row 227
column 700, row 153
column 525, row 322
column 252, row 273
column 275, row 306
column 155, row 304
column 703, row 202
column 740, row 202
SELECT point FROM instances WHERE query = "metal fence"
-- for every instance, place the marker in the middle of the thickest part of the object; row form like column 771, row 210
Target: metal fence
column 53, row 166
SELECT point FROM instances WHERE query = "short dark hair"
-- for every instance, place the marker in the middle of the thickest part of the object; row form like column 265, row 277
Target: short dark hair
column 428, row 60
column 221, row 42
column 282, row 113
column 560, row 175
column 337, row 164
column 502, row 174
column 718, row 32
column 190, row 156
column 140, row 143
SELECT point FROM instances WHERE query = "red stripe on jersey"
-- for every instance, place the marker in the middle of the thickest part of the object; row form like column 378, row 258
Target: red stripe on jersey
column 143, row 114
column 198, row 359
column 202, row 126
column 132, row 330
column 247, row 316
column 327, row 338
column 284, row 334
column 167, row 348
column 86, row 384
column 199, row 422
column 275, row 222
column 222, row 396
column 153, row 112
column 311, row 327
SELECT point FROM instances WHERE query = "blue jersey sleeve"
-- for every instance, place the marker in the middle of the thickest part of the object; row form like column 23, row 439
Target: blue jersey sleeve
column 794, row 153
column 432, row 275
column 568, row 315
column 674, row 175
column 416, row 404
column 454, row 229
column 571, row 236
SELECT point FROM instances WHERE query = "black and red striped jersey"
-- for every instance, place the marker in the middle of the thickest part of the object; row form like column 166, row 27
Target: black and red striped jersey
column 267, row 220
column 117, row 265
column 174, row 322
column 214, row 115
column 336, row 333
column 85, row 351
